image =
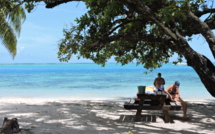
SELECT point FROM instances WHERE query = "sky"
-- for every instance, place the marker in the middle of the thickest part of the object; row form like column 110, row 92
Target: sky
column 42, row 30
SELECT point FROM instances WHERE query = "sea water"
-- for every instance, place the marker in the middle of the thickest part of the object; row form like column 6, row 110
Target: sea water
column 93, row 81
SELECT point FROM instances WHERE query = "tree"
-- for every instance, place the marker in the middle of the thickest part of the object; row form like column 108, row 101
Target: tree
column 11, row 17
column 147, row 31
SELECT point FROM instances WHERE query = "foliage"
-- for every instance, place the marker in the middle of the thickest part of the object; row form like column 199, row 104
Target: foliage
column 11, row 17
column 122, row 29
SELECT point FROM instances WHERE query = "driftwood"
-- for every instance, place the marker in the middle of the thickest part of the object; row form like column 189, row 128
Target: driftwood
column 10, row 126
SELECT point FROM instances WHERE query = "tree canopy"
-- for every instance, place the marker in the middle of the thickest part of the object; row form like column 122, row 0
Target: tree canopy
column 120, row 29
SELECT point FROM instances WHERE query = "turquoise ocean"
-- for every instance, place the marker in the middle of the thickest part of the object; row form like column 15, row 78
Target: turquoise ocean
column 92, row 81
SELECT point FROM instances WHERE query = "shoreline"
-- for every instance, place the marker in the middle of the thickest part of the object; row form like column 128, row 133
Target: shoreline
column 67, row 115
column 47, row 99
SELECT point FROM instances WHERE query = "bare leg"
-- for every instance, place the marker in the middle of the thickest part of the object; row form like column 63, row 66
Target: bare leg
column 184, row 106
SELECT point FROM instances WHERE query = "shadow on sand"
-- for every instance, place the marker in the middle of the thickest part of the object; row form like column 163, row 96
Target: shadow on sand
column 87, row 117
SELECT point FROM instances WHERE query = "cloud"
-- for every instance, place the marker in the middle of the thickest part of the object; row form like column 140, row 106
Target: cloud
column 20, row 49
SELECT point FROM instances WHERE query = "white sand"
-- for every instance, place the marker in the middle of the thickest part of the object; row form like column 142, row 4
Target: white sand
column 69, row 116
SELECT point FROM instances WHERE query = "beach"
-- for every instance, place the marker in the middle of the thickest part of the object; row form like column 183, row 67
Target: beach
column 102, row 116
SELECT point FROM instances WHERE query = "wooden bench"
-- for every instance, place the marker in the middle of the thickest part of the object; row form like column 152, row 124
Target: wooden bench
column 155, row 101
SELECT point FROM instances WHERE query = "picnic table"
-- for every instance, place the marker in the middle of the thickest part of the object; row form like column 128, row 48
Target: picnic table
column 156, row 101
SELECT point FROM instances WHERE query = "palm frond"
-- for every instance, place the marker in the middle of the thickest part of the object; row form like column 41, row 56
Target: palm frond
column 7, row 36
column 16, row 17
column 12, row 15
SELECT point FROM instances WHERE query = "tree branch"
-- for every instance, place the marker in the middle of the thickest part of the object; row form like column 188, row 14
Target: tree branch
column 205, row 31
column 206, row 11
column 51, row 4
column 210, row 23
column 133, row 38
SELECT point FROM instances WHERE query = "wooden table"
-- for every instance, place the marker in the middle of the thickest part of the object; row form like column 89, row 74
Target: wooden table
column 157, row 101
column 150, row 102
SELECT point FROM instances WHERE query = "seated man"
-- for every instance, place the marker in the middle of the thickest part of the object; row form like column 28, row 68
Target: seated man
column 159, row 82
column 174, row 95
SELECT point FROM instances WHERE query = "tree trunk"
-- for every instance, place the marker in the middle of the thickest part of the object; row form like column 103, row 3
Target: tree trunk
column 10, row 126
column 205, row 30
column 203, row 67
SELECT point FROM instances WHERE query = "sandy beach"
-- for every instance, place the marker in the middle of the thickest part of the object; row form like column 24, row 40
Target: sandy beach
column 68, row 116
